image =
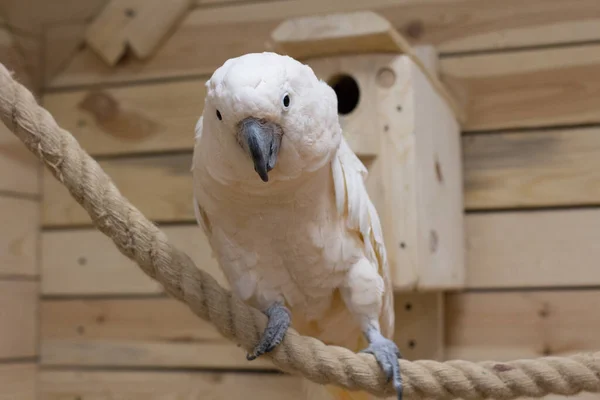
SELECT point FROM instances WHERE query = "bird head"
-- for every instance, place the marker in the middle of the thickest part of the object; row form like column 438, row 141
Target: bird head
column 267, row 116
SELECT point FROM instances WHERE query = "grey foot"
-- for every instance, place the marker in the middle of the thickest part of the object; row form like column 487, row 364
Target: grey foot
column 387, row 354
column 279, row 322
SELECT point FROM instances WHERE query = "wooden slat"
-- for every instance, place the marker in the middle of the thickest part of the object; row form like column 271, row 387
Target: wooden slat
column 512, row 325
column 85, row 262
column 19, row 219
column 533, row 249
column 504, row 250
column 532, row 169
column 215, row 33
column 18, row 381
column 527, row 88
column 19, row 168
column 508, row 170
column 63, row 385
column 522, row 89
column 18, row 319
column 155, row 117
column 161, row 187
column 34, row 15
column 162, row 332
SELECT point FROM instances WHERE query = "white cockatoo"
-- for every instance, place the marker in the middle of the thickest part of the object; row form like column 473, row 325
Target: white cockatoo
column 282, row 200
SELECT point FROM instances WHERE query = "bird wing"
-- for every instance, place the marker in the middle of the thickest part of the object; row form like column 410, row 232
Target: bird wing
column 353, row 202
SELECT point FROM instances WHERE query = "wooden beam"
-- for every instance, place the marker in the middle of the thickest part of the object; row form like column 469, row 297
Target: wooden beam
column 20, row 170
column 139, row 25
column 164, row 333
column 19, row 238
column 500, row 171
column 90, row 266
column 532, row 169
column 214, row 33
column 504, row 250
column 148, row 385
column 18, row 381
column 513, row 325
column 18, row 318
column 533, row 249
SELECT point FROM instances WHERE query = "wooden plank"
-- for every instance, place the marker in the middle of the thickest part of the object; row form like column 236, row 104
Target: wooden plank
column 507, row 170
column 504, row 250
column 214, row 33
column 15, row 60
column 527, row 88
column 85, row 262
column 161, row 332
column 20, row 170
column 19, row 238
column 33, row 16
column 533, row 249
column 155, row 117
column 532, row 169
column 161, row 187
column 61, row 42
column 512, row 325
column 18, row 318
column 99, row 385
column 18, row 381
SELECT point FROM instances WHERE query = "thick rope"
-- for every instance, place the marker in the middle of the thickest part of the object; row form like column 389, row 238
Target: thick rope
column 141, row 241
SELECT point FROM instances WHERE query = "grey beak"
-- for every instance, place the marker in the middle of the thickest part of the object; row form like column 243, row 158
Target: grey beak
column 261, row 139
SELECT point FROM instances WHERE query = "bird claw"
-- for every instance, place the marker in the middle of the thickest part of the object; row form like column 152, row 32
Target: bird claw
column 277, row 326
column 387, row 354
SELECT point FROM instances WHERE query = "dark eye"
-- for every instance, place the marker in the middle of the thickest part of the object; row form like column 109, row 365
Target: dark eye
column 219, row 115
column 286, row 100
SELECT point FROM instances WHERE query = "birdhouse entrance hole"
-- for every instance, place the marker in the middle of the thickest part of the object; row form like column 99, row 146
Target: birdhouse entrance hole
column 347, row 91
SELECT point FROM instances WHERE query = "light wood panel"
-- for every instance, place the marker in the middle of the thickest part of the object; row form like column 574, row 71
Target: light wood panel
column 532, row 169
column 504, row 250
column 533, row 249
column 159, row 186
column 19, row 169
column 85, row 262
column 527, row 88
column 18, row 381
column 19, row 236
column 18, row 319
column 162, row 332
column 458, row 25
column 63, row 385
column 506, row 90
column 154, row 117
column 508, row 170
column 512, row 325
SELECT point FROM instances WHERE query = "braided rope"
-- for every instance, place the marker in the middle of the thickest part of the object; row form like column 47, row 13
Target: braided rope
column 143, row 242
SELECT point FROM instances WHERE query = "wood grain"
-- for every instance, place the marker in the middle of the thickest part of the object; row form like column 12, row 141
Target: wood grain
column 512, row 325
column 532, row 169
column 18, row 381
column 527, row 88
column 504, row 250
column 98, row 385
column 18, row 336
column 20, row 170
column 507, row 170
column 85, row 262
column 452, row 26
column 159, row 186
column 533, row 249
column 19, row 236
column 161, row 332
column 154, row 117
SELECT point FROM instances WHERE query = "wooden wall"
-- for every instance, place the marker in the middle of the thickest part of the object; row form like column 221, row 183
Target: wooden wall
column 528, row 74
column 19, row 255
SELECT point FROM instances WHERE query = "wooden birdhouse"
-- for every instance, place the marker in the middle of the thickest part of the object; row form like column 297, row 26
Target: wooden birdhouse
column 402, row 122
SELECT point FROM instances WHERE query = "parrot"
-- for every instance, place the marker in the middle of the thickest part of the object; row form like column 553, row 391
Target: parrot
column 282, row 199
